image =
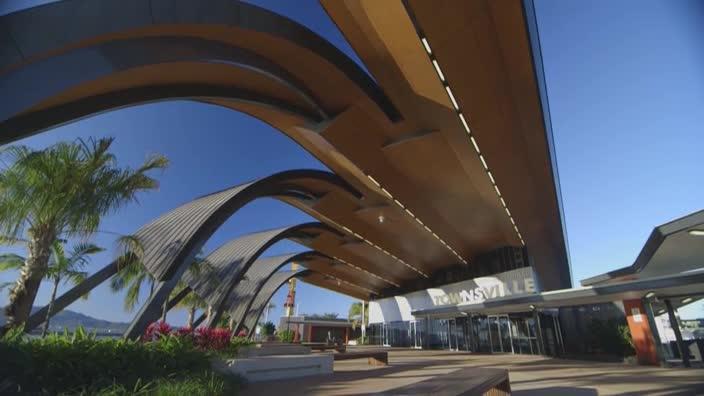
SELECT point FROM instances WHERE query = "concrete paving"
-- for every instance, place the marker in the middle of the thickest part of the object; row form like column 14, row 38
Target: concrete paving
column 530, row 375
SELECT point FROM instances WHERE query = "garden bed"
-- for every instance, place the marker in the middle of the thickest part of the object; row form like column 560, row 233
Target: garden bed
column 164, row 362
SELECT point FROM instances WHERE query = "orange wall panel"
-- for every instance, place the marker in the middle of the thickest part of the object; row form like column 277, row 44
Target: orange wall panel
column 643, row 339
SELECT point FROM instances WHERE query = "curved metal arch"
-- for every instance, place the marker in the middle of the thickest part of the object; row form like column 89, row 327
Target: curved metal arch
column 231, row 261
column 265, row 293
column 112, row 20
column 223, row 271
column 176, row 235
column 244, row 293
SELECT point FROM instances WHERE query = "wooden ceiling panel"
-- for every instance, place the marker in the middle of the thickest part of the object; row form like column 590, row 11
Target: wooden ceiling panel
column 485, row 54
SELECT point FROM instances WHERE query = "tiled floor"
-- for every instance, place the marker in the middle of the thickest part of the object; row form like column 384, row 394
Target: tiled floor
column 530, row 375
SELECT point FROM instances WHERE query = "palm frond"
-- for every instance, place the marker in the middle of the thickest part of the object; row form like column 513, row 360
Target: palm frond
column 12, row 240
column 11, row 261
column 80, row 254
column 133, row 291
column 130, row 250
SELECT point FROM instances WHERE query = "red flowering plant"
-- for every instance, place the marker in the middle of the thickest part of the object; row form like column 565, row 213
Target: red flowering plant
column 213, row 339
column 184, row 333
column 156, row 331
column 203, row 338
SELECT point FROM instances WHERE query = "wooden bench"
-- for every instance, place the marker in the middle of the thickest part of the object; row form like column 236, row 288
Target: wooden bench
column 468, row 381
column 322, row 346
column 374, row 358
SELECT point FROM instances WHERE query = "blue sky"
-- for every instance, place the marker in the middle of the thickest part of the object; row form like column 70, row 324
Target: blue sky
column 626, row 88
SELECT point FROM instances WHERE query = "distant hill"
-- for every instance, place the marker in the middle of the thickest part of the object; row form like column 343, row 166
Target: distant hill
column 71, row 319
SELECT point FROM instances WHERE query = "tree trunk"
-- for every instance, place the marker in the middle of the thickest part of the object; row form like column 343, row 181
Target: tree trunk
column 25, row 290
column 209, row 314
column 191, row 317
column 50, row 308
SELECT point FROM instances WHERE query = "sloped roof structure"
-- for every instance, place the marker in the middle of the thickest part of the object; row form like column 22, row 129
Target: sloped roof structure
column 441, row 145
column 447, row 138
column 673, row 247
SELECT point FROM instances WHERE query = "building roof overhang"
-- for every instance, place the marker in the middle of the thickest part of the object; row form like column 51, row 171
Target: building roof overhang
column 448, row 193
column 687, row 284
column 674, row 247
column 479, row 59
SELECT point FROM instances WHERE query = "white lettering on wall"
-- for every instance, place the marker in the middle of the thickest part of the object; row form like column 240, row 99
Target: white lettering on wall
column 473, row 291
column 480, row 294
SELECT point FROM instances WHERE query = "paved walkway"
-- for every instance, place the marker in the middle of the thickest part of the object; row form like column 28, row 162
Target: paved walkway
column 530, row 375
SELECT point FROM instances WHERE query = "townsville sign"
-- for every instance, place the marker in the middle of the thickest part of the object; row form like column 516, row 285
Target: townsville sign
column 516, row 282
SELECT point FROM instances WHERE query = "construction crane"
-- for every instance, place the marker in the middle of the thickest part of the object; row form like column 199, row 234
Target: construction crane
column 291, row 296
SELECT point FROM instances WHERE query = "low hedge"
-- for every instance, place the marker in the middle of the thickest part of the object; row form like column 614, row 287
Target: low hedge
column 81, row 364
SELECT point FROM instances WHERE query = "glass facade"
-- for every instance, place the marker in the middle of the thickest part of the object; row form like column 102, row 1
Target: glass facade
column 592, row 329
column 513, row 333
column 572, row 331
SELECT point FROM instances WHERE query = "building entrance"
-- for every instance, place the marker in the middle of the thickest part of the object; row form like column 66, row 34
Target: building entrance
column 415, row 333
column 512, row 333
column 500, row 334
column 458, row 334
column 506, row 333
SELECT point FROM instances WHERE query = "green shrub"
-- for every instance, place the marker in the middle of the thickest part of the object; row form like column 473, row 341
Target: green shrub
column 197, row 385
column 268, row 328
column 82, row 364
column 237, row 342
column 285, row 335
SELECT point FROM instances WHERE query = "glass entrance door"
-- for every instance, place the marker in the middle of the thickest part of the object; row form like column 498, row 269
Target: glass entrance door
column 500, row 334
column 452, row 335
column 480, row 334
column 461, row 334
column 415, row 331
column 505, row 334
column 494, row 338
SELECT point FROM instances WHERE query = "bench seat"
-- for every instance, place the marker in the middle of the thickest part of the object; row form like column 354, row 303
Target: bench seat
column 375, row 358
column 469, row 381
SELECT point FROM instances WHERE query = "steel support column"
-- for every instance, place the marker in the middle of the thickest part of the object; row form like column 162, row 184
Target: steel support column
column 684, row 351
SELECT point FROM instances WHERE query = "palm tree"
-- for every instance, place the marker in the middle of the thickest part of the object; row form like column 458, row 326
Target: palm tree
column 131, row 274
column 68, row 268
column 192, row 301
column 62, row 191
column 269, row 306
column 61, row 267
column 355, row 314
